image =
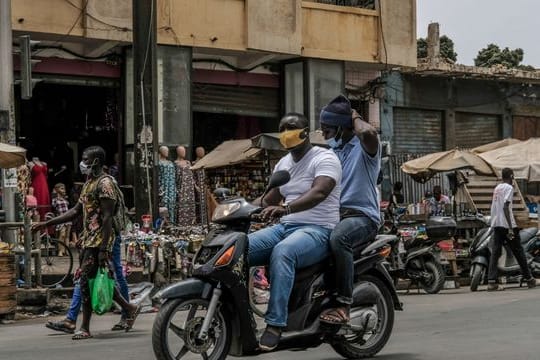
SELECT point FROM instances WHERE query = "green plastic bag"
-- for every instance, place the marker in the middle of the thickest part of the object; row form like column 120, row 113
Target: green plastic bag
column 102, row 291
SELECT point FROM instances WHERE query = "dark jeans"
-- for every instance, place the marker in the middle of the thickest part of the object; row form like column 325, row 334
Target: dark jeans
column 349, row 233
column 500, row 236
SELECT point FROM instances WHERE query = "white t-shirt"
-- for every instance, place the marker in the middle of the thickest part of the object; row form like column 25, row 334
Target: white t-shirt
column 316, row 162
column 503, row 192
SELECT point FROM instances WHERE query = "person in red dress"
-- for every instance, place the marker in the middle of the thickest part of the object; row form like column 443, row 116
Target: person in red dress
column 38, row 169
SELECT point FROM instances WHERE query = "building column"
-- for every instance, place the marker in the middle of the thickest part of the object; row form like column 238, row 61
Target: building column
column 174, row 96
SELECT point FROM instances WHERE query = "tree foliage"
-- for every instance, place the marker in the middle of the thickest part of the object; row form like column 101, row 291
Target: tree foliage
column 446, row 44
column 494, row 55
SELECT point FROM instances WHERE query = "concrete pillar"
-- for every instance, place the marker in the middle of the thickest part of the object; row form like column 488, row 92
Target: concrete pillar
column 450, row 129
column 433, row 41
column 174, row 96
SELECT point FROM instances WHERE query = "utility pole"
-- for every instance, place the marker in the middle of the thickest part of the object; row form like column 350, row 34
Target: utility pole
column 7, row 117
column 145, row 106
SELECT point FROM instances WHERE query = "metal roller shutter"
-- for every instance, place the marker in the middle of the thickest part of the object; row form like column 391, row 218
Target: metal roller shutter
column 476, row 129
column 239, row 100
column 417, row 131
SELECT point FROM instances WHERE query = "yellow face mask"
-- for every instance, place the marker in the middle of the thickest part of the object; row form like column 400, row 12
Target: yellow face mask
column 292, row 138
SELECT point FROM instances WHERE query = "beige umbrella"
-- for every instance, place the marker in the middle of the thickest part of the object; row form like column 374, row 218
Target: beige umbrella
column 522, row 157
column 11, row 156
column 495, row 145
column 228, row 153
column 425, row 167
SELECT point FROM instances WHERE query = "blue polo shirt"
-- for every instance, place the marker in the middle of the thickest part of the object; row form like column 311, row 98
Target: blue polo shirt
column 359, row 179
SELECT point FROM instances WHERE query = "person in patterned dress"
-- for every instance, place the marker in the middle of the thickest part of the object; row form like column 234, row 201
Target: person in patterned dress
column 97, row 205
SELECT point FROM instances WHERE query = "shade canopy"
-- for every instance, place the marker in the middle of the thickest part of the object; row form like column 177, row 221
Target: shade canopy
column 270, row 141
column 424, row 168
column 522, row 157
column 495, row 145
column 11, row 156
column 228, row 153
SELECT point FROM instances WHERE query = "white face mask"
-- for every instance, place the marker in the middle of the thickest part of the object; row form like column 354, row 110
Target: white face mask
column 86, row 169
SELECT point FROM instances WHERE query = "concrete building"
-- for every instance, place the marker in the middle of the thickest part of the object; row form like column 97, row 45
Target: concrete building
column 226, row 68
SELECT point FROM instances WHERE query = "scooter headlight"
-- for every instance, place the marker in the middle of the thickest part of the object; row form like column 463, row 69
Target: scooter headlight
column 224, row 210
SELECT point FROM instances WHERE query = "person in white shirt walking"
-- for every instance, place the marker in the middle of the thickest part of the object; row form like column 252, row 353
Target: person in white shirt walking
column 506, row 230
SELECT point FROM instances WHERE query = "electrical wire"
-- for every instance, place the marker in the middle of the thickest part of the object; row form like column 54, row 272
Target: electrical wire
column 97, row 19
column 146, row 157
column 230, row 66
column 382, row 37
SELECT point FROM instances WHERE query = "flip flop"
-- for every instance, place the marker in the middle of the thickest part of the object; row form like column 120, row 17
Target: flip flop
column 60, row 326
column 335, row 316
column 82, row 335
column 131, row 319
column 121, row 325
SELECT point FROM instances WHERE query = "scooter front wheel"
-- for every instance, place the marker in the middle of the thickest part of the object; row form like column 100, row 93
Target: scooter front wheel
column 477, row 274
column 177, row 326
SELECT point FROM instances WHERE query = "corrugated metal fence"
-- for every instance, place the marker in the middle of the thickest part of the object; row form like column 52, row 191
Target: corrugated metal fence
column 414, row 191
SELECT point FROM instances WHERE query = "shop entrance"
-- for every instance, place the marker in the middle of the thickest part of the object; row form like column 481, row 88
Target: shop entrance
column 60, row 121
column 210, row 130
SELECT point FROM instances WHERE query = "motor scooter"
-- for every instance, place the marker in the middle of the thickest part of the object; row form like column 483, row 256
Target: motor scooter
column 415, row 255
column 211, row 313
column 481, row 249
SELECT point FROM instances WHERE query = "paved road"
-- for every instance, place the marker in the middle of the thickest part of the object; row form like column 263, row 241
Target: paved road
column 453, row 325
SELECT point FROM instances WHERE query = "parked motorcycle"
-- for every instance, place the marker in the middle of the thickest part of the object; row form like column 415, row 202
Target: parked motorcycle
column 414, row 256
column 482, row 246
column 210, row 314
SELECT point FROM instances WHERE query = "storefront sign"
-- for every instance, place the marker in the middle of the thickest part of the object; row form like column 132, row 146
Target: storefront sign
column 10, row 178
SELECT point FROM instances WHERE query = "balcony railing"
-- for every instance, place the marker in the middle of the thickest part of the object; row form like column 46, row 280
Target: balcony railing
column 364, row 4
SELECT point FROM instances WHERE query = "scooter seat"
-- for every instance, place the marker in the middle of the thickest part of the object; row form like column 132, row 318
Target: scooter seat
column 527, row 234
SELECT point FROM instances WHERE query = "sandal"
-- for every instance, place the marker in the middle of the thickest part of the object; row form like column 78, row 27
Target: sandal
column 130, row 320
column 61, row 325
column 82, row 335
column 335, row 316
column 121, row 325
column 270, row 338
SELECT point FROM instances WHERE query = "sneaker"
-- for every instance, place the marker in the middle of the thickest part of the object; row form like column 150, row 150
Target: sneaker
column 270, row 338
column 531, row 283
column 494, row 287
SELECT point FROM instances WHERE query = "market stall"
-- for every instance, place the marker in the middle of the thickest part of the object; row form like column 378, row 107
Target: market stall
column 236, row 165
column 457, row 163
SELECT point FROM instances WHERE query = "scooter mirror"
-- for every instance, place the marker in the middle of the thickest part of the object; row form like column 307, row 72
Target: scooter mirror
column 222, row 193
column 277, row 179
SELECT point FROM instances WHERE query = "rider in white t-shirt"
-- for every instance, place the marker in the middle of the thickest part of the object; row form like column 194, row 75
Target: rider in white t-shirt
column 308, row 206
column 505, row 230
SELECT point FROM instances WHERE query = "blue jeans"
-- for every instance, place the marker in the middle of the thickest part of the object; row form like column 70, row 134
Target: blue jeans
column 286, row 247
column 350, row 232
column 121, row 282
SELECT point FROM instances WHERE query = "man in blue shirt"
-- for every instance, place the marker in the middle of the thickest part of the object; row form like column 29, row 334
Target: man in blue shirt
column 357, row 146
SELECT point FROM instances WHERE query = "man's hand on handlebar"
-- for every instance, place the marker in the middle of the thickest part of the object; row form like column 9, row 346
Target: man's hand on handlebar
column 272, row 212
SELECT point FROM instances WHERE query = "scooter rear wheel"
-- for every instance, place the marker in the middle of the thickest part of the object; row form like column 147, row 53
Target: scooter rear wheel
column 358, row 347
column 176, row 328
column 436, row 282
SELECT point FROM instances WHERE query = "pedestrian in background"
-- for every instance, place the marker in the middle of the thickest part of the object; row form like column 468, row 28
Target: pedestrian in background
column 505, row 230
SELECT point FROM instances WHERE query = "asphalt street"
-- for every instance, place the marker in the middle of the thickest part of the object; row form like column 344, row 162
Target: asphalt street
column 455, row 324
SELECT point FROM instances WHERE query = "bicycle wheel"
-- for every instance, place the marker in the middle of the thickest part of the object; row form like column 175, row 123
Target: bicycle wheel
column 56, row 262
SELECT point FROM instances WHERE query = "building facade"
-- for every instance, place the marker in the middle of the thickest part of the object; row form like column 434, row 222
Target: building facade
column 226, row 68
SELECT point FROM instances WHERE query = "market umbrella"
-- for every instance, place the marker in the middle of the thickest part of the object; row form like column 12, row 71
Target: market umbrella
column 11, row 156
column 270, row 141
column 495, row 145
column 424, row 168
column 522, row 157
column 228, row 153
